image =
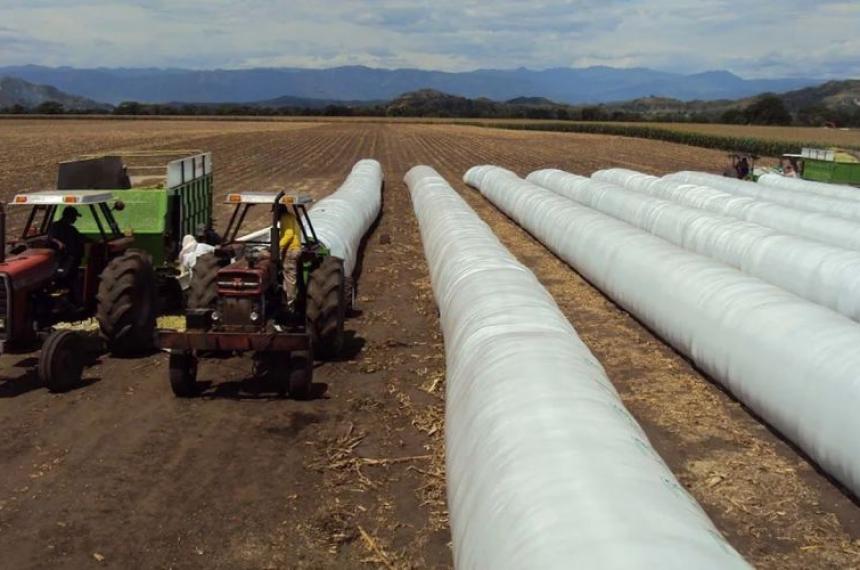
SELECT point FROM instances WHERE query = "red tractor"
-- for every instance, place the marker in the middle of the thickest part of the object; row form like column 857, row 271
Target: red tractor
column 237, row 303
column 43, row 285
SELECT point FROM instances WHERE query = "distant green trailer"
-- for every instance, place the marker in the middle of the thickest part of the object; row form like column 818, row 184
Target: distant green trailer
column 833, row 166
column 166, row 195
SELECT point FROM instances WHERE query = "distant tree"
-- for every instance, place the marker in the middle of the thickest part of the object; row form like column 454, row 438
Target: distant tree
column 593, row 114
column 128, row 108
column 701, row 118
column 13, row 110
column 734, row 117
column 337, row 111
column 50, row 108
column 768, row 110
column 538, row 113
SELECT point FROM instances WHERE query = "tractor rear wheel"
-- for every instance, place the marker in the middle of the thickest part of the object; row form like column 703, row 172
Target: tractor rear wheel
column 183, row 374
column 203, row 291
column 61, row 363
column 301, row 375
column 326, row 307
column 127, row 304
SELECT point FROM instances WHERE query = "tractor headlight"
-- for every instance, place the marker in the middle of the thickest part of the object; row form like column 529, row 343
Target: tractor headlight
column 216, row 316
column 255, row 316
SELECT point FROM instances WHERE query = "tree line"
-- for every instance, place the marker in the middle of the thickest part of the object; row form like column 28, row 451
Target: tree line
column 767, row 110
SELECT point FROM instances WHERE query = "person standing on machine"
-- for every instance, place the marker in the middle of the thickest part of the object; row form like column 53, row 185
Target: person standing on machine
column 290, row 248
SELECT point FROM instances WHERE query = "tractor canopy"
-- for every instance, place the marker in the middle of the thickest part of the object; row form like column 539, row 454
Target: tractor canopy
column 267, row 198
column 75, row 198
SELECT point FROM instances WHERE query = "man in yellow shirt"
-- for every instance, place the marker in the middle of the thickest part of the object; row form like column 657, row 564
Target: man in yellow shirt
column 290, row 247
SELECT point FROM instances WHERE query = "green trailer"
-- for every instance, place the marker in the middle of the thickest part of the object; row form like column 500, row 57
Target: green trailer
column 166, row 196
column 833, row 166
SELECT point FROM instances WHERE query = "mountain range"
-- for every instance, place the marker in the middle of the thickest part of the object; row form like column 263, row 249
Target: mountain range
column 358, row 83
column 17, row 92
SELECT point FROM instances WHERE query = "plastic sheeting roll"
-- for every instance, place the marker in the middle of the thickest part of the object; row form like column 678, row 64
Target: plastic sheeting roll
column 820, row 188
column 848, row 209
column 811, row 225
column 793, row 362
column 824, row 274
column 545, row 467
column 341, row 219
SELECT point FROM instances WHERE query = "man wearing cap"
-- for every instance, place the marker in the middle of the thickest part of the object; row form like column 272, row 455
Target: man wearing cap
column 70, row 242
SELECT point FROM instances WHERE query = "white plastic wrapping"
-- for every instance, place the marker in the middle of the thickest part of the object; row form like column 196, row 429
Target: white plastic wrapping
column 822, row 273
column 820, row 188
column 341, row 219
column 811, row 225
column 848, row 209
column 545, row 467
column 793, row 362
column 191, row 250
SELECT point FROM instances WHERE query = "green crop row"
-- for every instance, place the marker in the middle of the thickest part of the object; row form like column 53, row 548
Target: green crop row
column 721, row 142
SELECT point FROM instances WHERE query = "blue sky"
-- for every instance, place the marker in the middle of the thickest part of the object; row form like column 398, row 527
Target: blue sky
column 765, row 38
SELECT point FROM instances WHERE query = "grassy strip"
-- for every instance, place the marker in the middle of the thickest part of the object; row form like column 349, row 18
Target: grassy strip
column 733, row 144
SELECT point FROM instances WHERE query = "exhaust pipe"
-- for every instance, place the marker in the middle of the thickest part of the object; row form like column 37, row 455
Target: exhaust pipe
column 275, row 231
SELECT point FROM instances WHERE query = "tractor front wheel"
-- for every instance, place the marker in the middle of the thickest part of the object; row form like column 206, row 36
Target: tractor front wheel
column 326, row 307
column 183, row 374
column 127, row 304
column 61, row 363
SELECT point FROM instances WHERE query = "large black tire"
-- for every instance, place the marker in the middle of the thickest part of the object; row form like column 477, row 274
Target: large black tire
column 203, row 291
column 183, row 374
column 301, row 374
column 326, row 308
column 61, row 363
column 127, row 304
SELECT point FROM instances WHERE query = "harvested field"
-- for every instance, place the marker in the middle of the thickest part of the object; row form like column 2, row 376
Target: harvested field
column 119, row 473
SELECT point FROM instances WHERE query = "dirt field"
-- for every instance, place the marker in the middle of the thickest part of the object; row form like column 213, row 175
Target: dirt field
column 120, row 474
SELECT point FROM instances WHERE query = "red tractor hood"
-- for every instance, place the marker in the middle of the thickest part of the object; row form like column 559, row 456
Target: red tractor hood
column 30, row 269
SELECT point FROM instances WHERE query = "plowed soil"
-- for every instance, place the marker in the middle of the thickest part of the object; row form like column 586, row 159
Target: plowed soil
column 118, row 473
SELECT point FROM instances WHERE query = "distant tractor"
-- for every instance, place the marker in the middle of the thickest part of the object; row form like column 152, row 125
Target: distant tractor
column 742, row 166
column 237, row 303
column 167, row 195
column 46, row 281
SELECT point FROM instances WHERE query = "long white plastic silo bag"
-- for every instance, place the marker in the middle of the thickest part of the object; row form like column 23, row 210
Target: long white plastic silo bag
column 342, row 218
column 811, row 225
column 821, row 273
column 545, row 467
column 848, row 209
column 793, row 362
column 839, row 191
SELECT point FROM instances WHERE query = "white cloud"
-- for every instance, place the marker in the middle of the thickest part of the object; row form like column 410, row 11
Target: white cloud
column 763, row 39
